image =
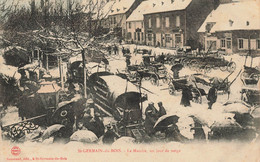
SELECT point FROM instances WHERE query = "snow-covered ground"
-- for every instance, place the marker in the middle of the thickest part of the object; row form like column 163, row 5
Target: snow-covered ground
column 172, row 102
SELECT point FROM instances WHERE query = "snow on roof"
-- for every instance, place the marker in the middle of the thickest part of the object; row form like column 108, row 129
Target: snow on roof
column 121, row 7
column 168, row 5
column 137, row 14
column 234, row 16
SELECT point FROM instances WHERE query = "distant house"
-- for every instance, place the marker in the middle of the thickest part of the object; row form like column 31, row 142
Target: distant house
column 135, row 23
column 233, row 27
column 120, row 11
column 174, row 23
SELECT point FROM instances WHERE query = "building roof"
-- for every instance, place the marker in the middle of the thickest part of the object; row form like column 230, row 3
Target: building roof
column 234, row 16
column 138, row 13
column 121, row 6
column 168, row 5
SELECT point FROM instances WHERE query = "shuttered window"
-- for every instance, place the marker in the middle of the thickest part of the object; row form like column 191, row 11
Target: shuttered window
column 158, row 22
column 167, row 22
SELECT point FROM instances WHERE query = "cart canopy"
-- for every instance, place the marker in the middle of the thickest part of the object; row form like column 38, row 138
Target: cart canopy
column 122, row 93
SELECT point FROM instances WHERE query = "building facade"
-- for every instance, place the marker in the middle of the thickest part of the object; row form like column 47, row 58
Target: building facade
column 228, row 30
column 135, row 23
column 174, row 23
column 120, row 11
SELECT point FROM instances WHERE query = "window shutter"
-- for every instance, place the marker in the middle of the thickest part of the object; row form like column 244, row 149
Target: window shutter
column 245, row 41
column 253, row 44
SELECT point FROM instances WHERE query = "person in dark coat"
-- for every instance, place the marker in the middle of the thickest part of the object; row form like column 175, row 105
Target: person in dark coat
column 161, row 58
column 212, row 96
column 91, row 119
column 110, row 136
column 109, row 48
column 146, row 61
column 186, row 96
column 127, row 60
column 162, row 110
column 123, row 51
column 152, row 115
column 115, row 49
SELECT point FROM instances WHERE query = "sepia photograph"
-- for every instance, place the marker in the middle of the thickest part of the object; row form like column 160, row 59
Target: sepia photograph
column 124, row 80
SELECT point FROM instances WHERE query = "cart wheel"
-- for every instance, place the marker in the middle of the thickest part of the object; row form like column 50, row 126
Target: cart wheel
column 154, row 80
column 223, row 68
column 207, row 69
column 172, row 90
column 197, row 98
column 231, row 67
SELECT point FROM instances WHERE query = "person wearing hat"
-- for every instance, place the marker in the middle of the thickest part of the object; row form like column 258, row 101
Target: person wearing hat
column 152, row 115
column 146, row 60
column 162, row 110
column 212, row 96
column 92, row 120
column 110, row 136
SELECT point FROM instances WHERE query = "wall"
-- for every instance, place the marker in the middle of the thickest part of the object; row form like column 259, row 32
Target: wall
column 196, row 12
column 135, row 25
column 162, row 30
column 254, row 35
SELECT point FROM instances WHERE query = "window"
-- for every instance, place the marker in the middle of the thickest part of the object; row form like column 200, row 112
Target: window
column 167, row 22
column 167, row 38
column 240, row 44
column 150, row 36
column 178, row 23
column 129, row 35
column 150, row 22
column 229, row 43
column 135, row 36
column 253, row 44
column 114, row 20
column 158, row 22
column 222, row 43
column 258, row 43
column 177, row 40
column 142, row 36
column 129, row 25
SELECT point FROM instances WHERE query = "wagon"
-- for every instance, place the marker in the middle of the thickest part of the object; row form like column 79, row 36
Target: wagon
column 251, row 95
column 208, row 63
column 151, row 71
column 119, row 99
column 207, row 82
column 176, row 85
column 250, row 75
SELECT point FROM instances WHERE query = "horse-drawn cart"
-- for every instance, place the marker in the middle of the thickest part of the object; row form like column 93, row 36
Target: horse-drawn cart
column 176, row 85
